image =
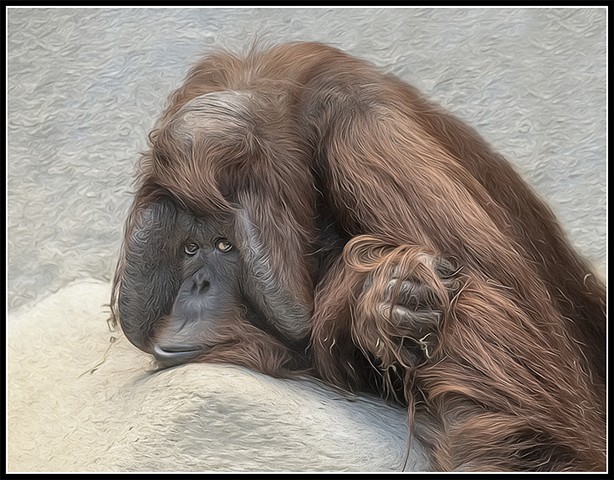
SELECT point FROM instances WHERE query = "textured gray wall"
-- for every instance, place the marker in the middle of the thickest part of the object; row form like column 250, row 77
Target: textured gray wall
column 85, row 86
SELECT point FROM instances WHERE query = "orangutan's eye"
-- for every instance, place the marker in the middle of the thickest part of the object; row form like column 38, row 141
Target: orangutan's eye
column 191, row 248
column 223, row 245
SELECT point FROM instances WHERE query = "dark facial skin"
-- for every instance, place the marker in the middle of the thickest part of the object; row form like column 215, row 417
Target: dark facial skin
column 182, row 278
column 209, row 292
column 186, row 278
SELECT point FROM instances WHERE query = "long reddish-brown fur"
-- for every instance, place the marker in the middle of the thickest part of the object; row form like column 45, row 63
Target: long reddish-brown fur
column 512, row 376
